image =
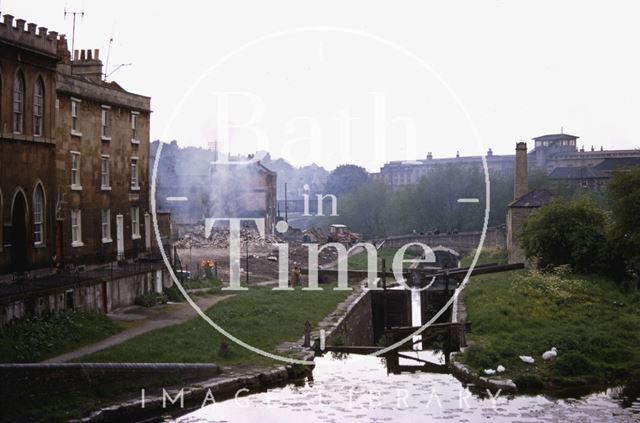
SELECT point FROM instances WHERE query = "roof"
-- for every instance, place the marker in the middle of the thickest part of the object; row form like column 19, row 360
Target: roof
column 554, row 137
column 535, row 198
column 616, row 163
column 445, row 249
column 577, row 172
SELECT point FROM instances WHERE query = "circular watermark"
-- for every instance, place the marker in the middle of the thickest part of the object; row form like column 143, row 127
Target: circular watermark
column 414, row 58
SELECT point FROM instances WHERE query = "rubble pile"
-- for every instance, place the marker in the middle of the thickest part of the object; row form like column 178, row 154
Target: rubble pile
column 219, row 238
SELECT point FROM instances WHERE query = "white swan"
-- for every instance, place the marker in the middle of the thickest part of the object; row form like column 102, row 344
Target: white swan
column 527, row 359
column 500, row 368
column 551, row 354
column 489, row 371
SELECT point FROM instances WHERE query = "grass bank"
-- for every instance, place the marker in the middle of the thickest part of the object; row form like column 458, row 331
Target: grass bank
column 37, row 338
column 588, row 319
column 259, row 316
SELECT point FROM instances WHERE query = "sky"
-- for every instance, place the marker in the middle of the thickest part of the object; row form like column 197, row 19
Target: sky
column 366, row 82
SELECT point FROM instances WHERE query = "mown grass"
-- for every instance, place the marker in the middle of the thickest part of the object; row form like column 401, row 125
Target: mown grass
column 588, row 319
column 37, row 338
column 260, row 316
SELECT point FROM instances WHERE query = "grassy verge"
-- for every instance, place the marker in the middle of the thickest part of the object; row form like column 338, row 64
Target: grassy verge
column 37, row 338
column 589, row 320
column 260, row 316
column 487, row 256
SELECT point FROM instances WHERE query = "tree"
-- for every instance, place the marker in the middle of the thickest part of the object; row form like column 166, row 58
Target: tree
column 345, row 179
column 566, row 232
column 624, row 191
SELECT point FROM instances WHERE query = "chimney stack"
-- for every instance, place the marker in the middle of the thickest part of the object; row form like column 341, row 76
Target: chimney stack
column 521, row 186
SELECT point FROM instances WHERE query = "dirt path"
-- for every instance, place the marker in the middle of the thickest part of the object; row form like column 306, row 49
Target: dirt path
column 149, row 318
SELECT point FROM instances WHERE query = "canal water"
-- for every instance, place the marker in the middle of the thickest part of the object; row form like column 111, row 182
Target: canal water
column 357, row 388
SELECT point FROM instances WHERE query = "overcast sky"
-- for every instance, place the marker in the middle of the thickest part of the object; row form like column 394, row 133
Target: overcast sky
column 519, row 70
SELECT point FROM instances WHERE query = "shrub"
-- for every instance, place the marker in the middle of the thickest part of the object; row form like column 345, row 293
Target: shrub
column 173, row 294
column 150, row 299
column 566, row 232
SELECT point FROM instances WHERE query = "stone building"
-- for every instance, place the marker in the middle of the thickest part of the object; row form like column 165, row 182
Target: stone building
column 523, row 204
column 27, row 146
column 74, row 197
column 193, row 186
column 402, row 173
column 102, row 157
column 556, row 154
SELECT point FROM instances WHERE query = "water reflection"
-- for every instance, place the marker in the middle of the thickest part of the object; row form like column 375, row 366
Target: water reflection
column 358, row 388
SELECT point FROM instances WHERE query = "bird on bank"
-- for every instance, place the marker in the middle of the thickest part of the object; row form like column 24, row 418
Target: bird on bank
column 527, row 359
column 489, row 371
column 551, row 354
column 500, row 368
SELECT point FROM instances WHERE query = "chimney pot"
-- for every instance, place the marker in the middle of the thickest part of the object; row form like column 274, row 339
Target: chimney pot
column 8, row 20
column 96, row 54
column 53, row 35
column 32, row 28
column 42, row 31
column 89, row 55
column 76, row 54
column 20, row 24
column 83, row 55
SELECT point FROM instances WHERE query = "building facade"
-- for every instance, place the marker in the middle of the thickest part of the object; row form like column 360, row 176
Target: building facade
column 74, row 197
column 556, row 154
column 403, row 173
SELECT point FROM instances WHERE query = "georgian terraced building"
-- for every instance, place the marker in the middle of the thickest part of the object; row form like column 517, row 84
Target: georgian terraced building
column 74, row 197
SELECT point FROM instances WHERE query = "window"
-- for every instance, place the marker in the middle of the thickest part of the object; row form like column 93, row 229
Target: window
column 134, row 173
column 75, row 171
column 38, row 108
column 74, row 115
column 18, row 103
column 38, row 215
column 134, row 127
column 104, row 172
column 105, row 122
column 76, row 228
column 106, row 225
column 135, row 222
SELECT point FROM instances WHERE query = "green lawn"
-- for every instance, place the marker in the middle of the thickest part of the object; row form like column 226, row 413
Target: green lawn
column 261, row 317
column 589, row 320
column 487, row 256
column 37, row 338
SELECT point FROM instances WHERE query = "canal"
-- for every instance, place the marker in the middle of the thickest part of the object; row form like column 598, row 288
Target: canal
column 357, row 388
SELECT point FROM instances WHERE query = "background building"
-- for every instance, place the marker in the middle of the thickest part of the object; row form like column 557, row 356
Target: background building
column 555, row 154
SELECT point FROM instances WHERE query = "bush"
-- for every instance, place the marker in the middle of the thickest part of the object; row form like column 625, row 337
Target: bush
column 35, row 338
column 173, row 294
column 150, row 299
column 566, row 232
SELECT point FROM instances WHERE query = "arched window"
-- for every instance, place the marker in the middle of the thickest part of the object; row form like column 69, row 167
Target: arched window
column 18, row 103
column 38, row 215
column 38, row 108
